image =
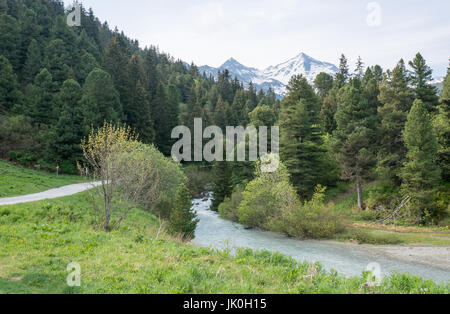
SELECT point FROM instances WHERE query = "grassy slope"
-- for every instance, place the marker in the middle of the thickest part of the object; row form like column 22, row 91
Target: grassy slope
column 366, row 232
column 15, row 180
column 38, row 240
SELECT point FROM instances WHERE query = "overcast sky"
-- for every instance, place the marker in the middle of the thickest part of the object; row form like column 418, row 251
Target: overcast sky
column 260, row 33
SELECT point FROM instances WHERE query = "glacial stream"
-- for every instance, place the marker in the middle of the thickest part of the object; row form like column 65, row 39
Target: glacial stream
column 348, row 260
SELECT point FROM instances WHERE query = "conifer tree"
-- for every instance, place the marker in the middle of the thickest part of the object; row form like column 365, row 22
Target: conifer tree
column 57, row 60
column 10, row 40
column 100, row 101
column 9, row 88
column 421, row 78
column 351, row 139
column 323, row 84
column 69, row 126
column 222, row 183
column 442, row 129
column 359, row 71
column 41, row 99
column 396, row 98
column 420, row 174
column 33, row 62
column 183, row 219
column 343, row 75
column 300, row 142
column 328, row 111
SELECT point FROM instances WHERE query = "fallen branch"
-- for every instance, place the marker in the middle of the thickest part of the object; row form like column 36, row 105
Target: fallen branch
column 395, row 213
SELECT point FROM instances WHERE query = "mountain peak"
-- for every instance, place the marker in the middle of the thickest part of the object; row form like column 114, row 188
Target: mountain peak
column 231, row 61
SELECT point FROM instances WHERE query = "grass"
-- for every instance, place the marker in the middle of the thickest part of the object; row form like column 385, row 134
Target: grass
column 15, row 180
column 39, row 240
column 361, row 228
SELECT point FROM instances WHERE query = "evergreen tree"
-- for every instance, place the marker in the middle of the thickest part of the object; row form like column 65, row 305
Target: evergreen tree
column 3, row 7
column 9, row 88
column 57, row 60
column 222, row 183
column 359, row 71
column 33, row 62
column 351, row 139
column 136, row 105
column 10, row 40
column 183, row 219
column 343, row 75
column 300, row 142
column 41, row 99
column 323, row 84
column 87, row 64
column 328, row 111
column 222, row 114
column 396, row 98
column 420, row 174
column 421, row 78
column 442, row 129
column 69, row 125
column 100, row 101
column 161, row 115
column 115, row 63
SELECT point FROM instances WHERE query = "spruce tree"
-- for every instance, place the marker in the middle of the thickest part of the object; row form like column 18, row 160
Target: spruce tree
column 9, row 88
column 328, row 111
column 10, row 40
column 442, row 129
column 420, row 173
column 420, row 80
column 396, row 98
column 352, row 138
column 41, row 99
column 100, row 101
column 33, row 62
column 183, row 219
column 300, row 136
column 222, row 183
column 343, row 75
column 359, row 71
column 68, row 128
column 323, row 84
column 57, row 60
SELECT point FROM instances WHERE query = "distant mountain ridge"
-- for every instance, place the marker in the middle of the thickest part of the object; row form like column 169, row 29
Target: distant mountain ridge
column 275, row 77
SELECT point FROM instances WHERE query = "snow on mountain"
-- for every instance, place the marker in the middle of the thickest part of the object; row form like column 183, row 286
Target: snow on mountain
column 276, row 77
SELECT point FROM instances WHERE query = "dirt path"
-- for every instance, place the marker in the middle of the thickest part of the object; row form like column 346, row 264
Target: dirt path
column 50, row 194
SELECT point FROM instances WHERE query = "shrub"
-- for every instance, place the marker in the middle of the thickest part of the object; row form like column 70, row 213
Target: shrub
column 229, row 208
column 313, row 219
column 266, row 198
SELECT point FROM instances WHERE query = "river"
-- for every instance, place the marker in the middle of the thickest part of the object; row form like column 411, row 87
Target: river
column 348, row 260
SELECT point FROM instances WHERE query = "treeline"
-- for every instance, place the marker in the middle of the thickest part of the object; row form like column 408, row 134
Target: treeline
column 57, row 82
column 361, row 126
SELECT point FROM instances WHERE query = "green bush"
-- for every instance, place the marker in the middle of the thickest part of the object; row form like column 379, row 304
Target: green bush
column 313, row 219
column 229, row 208
column 266, row 198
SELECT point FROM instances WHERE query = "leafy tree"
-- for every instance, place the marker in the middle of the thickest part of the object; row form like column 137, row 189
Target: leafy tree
column 323, row 84
column 352, row 137
column 420, row 80
column 396, row 98
column 300, row 142
column 420, row 174
column 183, row 219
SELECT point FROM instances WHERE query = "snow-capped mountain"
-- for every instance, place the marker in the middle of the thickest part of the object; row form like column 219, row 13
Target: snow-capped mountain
column 276, row 77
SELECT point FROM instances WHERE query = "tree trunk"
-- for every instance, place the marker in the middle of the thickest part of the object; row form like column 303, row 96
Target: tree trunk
column 359, row 191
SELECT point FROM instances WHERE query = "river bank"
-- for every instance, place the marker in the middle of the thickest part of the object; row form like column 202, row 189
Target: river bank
column 349, row 259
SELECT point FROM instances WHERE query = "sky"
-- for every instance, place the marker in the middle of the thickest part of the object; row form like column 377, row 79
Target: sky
column 261, row 33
